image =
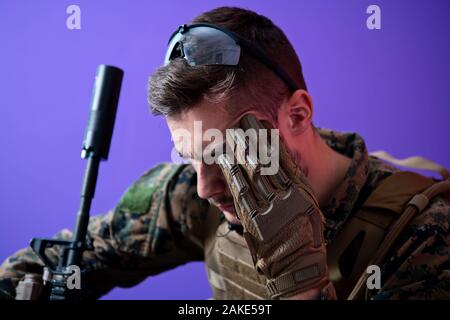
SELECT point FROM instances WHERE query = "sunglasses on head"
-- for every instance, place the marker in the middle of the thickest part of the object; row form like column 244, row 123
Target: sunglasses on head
column 203, row 44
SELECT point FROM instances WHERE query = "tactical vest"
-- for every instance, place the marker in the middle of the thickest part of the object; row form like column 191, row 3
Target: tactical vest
column 376, row 225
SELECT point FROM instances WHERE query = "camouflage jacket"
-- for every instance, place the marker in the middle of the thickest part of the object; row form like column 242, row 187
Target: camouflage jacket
column 160, row 223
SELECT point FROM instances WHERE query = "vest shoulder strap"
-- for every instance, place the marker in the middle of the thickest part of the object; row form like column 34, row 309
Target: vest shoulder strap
column 395, row 191
column 355, row 245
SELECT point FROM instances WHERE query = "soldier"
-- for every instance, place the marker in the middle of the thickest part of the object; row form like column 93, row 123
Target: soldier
column 306, row 232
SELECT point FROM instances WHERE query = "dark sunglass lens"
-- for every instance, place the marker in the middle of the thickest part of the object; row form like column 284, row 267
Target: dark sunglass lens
column 209, row 46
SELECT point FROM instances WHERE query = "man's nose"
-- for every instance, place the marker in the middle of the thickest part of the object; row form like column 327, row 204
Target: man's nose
column 209, row 181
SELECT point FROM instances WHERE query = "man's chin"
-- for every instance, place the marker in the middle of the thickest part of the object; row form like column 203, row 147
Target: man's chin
column 231, row 217
column 229, row 212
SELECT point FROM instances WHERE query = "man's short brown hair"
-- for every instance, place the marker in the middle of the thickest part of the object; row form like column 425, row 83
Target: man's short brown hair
column 177, row 87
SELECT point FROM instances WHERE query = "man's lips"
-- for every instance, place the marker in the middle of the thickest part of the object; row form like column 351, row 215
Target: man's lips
column 226, row 207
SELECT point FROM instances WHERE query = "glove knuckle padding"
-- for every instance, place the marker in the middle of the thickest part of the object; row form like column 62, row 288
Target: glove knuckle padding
column 289, row 242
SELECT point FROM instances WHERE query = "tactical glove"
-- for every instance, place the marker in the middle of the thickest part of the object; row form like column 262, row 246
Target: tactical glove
column 283, row 225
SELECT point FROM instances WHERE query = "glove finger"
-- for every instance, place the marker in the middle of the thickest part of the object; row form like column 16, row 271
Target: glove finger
column 279, row 179
column 244, row 200
column 288, row 170
column 246, row 148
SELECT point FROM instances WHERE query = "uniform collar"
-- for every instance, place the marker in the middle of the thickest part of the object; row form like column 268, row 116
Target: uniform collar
column 344, row 199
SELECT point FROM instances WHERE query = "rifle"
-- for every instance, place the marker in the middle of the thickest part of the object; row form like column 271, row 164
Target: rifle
column 96, row 143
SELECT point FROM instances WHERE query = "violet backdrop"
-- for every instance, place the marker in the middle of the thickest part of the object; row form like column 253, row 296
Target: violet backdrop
column 389, row 85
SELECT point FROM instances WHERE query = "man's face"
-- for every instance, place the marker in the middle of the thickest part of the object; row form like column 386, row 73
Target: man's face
column 211, row 183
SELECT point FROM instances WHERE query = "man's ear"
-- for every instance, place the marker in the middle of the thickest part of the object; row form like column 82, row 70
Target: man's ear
column 298, row 111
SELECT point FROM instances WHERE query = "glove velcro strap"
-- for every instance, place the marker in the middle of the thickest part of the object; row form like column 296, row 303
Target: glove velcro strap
column 304, row 278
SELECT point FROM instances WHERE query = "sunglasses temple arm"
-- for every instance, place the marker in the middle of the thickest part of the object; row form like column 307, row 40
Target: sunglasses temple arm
column 261, row 56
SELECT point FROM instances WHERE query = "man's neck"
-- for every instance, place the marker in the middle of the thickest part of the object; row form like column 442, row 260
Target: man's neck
column 327, row 170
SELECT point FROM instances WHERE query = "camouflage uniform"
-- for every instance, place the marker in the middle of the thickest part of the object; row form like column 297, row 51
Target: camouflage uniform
column 161, row 223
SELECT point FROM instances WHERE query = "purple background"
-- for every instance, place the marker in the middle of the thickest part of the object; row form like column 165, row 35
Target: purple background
column 390, row 85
